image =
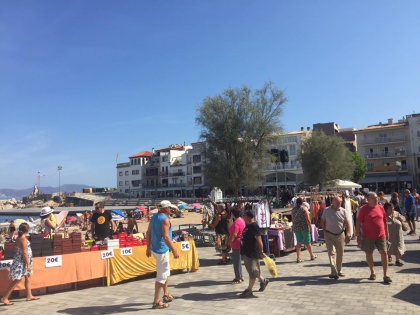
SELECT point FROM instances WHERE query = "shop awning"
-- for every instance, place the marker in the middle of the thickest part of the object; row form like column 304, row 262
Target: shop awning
column 384, row 179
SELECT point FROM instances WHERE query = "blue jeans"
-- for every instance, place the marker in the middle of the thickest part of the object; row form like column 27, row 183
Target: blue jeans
column 237, row 263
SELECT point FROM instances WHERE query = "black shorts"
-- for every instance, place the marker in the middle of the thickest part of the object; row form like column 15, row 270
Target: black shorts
column 410, row 217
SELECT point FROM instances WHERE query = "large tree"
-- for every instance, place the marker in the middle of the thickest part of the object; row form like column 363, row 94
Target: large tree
column 360, row 167
column 325, row 158
column 238, row 127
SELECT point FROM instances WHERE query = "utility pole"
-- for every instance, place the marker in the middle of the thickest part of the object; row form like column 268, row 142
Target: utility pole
column 59, row 180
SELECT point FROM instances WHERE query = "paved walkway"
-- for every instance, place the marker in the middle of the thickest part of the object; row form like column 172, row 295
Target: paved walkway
column 300, row 289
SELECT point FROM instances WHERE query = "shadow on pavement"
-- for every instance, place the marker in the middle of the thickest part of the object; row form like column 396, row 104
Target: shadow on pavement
column 410, row 270
column 202, row 283
column 410, row 294
column 411, row 256
column 320, row 280
column 109, row 309
column 222, row 296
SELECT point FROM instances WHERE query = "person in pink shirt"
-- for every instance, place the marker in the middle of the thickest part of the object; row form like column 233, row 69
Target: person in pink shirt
column 234, row 240
column 372, row 221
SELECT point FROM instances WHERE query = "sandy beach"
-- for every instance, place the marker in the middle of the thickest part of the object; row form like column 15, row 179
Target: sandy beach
column 189, row 218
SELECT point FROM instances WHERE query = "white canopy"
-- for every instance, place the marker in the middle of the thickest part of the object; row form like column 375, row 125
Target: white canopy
column 342, row 184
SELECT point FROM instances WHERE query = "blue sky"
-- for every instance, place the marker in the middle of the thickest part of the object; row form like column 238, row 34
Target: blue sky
column 83, row 80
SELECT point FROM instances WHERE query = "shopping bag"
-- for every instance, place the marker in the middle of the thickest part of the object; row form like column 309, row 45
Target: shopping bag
column 271, row 266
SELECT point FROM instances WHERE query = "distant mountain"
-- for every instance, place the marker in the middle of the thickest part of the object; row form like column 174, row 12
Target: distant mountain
column 18, row 194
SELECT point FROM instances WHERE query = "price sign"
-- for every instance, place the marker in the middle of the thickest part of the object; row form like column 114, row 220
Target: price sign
column 106, row 254
column 127, row 251
column 5, row 264
column 53, row 261
column 185, row 246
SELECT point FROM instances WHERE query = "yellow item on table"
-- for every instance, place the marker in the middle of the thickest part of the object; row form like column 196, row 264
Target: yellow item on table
column 271, row 266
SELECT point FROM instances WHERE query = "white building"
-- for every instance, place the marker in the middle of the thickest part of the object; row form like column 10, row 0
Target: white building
column 386, row 148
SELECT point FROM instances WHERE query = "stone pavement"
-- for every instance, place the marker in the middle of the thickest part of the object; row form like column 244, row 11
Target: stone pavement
column 300, row 289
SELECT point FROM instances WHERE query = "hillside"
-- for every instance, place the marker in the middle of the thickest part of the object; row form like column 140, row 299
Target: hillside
column 18, row 194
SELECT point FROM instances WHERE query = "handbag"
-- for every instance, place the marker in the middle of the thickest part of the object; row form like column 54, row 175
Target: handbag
column 271, row 266
column 403, row 223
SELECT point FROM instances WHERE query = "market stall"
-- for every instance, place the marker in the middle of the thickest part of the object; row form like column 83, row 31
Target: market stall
column 282, row 246
column 115, row 265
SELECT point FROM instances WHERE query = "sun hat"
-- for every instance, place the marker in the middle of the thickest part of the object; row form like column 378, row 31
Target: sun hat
column 165, row 204
column 46, row 211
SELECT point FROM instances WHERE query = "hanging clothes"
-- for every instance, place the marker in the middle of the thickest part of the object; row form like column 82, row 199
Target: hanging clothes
column 261, row 213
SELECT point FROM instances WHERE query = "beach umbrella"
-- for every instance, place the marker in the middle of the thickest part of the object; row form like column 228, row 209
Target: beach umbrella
column 141, row 208
column 118, row 212
column 71, row 219
column 196, row 205
column 19, row 221
column 182, row 206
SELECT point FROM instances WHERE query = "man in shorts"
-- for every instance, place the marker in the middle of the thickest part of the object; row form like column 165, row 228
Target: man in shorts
column 416, row 196
column 159, row 242
column 410, row 211
column 372, row 231
column 252, row 251
column 337, row 232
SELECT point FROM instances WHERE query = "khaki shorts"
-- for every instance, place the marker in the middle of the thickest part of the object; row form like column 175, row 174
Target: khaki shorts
column 252, row 265
column 368, row 245
column 163, row 270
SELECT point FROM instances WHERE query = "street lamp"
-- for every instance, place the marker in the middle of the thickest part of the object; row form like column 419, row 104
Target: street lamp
column 59, row 180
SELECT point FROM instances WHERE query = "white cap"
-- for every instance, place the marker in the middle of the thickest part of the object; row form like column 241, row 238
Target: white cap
column 165, row 204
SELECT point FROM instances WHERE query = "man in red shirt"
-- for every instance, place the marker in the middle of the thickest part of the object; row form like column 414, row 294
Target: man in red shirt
column 372, row 219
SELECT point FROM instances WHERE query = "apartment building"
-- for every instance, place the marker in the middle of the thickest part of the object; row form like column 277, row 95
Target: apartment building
column 289, row 174
column 386, row 148
column 130, row 174
column 414, row 132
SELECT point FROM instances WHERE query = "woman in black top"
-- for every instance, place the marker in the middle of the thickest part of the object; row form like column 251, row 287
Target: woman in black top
column 220, row 225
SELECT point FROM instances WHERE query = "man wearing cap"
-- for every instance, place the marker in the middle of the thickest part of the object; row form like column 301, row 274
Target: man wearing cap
column 101, row 222
column 410, row 211
column 159, row 243
column 252, row 249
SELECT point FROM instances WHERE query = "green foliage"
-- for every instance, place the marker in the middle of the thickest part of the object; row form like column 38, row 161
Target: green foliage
column 325, row 158
column 360, row 168
column 237, row 126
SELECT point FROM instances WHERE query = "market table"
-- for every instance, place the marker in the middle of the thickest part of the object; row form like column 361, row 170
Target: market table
column 122, row 268
column 78, row 267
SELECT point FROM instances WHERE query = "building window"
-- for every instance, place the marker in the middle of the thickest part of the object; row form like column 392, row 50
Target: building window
column 137, row 172
column 120, row 173
column 196, row 158
column 197, row 180
column 132, row 162
column 120, row 183
column 126, row 173
column 126, row 183
column 197, row 169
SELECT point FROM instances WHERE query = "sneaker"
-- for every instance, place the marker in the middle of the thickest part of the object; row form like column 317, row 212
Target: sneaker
column 246, row 294
column 263, row 285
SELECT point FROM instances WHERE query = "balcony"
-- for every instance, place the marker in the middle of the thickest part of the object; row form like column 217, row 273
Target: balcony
column 401, row 153
column 175, row 174
column 380, row 140
column 386, row 168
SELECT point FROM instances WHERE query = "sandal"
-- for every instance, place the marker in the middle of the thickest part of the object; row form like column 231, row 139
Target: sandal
column 6, row 303
column 222, row 262
column 314, row 257
column 159, row 305
column 387, row 280
column 168, row 298
column 399, row 263
column 389, row 259
column 299, row 260
column 236, row 281
column 372, row 277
